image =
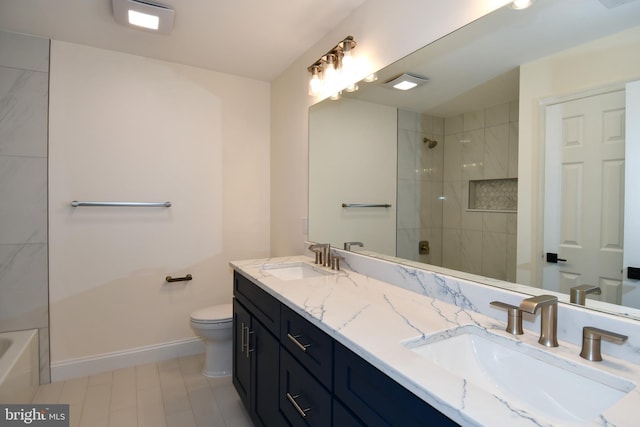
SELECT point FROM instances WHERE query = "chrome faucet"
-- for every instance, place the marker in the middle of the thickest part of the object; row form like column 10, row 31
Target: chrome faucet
column 548, row 319
column 579, row 293
column 323, row 252
column 347, row 245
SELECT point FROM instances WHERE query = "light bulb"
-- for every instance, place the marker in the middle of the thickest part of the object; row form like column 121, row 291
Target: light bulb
column 315, row 84
column 329, row 70
column 347, row 57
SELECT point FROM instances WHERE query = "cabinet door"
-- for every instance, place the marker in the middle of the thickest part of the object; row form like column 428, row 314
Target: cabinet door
column 265, row 356
column 342, row 417
column 303, row 400
column 241, row 361
column 378, row 400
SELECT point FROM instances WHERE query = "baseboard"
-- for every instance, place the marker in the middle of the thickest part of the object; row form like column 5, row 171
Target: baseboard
column 75, row 368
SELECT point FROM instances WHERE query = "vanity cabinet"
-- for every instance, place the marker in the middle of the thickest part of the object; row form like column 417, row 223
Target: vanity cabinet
column 289, row 372
column 256, row 352
column 375, row 398
column 303, row 400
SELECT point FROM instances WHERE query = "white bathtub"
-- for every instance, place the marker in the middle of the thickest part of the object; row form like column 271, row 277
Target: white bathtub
column 19, row 367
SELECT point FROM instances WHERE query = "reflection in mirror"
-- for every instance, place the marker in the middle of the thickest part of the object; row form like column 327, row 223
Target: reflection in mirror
column 464, row 159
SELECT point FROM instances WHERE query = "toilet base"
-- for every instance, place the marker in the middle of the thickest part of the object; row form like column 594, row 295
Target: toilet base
column 218, row 359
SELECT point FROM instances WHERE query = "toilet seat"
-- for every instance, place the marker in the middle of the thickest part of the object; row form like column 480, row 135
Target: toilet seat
column 222, row 313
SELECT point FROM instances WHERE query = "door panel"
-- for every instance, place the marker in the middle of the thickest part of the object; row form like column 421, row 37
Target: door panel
column 584, row 175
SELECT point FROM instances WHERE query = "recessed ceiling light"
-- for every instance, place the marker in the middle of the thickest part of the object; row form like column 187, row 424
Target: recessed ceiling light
column 406, row 81
column 143, row 15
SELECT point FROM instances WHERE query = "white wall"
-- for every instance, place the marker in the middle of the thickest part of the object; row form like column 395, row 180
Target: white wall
column 385, row 32
column 128, row 128
column 600, row 64
column 341, row 133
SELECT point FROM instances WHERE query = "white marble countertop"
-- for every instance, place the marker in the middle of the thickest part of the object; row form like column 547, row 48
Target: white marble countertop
column 374, row 319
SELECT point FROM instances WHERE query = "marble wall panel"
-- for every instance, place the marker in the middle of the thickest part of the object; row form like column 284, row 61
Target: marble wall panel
column 23, row 112
column 24, row 288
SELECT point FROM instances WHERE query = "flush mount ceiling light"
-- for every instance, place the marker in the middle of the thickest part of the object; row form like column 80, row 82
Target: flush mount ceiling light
column 406, row 81
column 143, row 15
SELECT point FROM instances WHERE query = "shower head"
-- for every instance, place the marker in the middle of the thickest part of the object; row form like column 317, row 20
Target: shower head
column 430, row 142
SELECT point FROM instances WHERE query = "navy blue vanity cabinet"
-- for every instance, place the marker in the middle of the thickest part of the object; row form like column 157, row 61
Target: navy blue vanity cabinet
column 289, row 372
column 312, row 347
column 306, row 371
column 342, row 417
column 303, row 400
column 241, row 362
column 376, row 399
column 256, row 352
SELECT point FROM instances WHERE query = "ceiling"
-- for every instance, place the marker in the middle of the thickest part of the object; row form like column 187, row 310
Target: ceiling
column 479, row 63
column 251, row 38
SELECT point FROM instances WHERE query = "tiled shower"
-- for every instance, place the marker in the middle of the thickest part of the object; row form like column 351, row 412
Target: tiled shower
column 24, row 82
column 475, row 150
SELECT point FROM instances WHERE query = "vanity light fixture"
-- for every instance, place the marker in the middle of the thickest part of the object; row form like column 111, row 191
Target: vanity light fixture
column 330, row 72
column 371, row 77
column 406, row 81
column 143, row 15
column 521, row 4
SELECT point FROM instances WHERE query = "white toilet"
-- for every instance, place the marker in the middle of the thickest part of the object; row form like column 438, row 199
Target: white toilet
column 214, row 325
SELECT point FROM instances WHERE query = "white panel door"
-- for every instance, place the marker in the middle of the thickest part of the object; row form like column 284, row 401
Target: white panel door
column 631, row 291
column 584, row 194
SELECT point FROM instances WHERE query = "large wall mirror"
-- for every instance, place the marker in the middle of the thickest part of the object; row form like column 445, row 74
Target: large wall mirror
column 508, row 163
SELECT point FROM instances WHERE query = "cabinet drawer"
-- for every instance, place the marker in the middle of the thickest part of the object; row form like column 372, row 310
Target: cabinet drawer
column 377, row 399
column 311, row 346
column 303, row 400
column 261, row 304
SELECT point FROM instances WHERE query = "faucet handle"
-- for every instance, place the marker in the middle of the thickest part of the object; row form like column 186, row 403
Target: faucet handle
column 514, row 317
column 347, row 245
column 579, row 293
column 591, row 338
column 317, row 252
column 335, row 262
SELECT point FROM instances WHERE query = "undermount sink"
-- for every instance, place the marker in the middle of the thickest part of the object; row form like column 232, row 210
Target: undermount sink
column 532, row 379
column 294, row 271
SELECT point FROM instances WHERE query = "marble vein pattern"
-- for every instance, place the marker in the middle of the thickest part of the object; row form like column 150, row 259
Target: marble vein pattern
column 378, row 308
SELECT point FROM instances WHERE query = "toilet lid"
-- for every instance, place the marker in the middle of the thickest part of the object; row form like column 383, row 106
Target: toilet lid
column 214, row 314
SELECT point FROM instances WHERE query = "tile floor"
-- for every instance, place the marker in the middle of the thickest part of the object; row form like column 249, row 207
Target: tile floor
column 171, row 393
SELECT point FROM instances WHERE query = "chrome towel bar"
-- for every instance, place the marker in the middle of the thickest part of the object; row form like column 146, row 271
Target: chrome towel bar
column 366, row 205
column 76, row 203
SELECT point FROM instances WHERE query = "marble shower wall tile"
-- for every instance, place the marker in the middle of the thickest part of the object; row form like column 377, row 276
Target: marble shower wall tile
column 24, row 52
column 24, row 289
column 23, row 112
column 479, row 145
column 419, row 188
column 23, row 301
column 496, row 155
column 23, row 191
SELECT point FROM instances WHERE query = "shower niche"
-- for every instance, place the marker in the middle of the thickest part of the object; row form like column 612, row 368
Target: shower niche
column 493, row 195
